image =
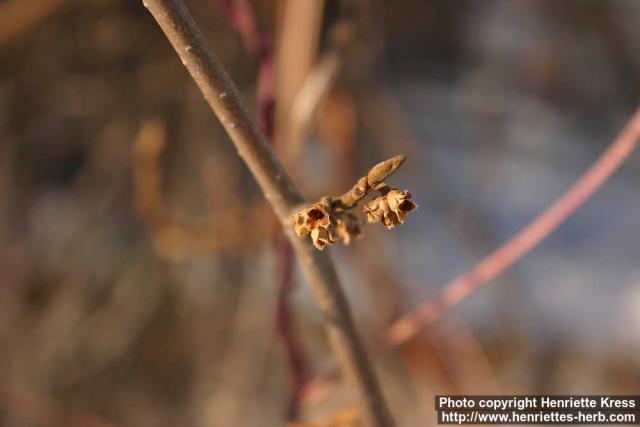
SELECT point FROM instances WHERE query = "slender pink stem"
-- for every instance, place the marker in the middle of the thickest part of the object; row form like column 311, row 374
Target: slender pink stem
column 410, row 324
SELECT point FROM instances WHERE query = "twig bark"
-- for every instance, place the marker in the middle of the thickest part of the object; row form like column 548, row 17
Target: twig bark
column 528, row 238
column 222, row 95
column 371, row 181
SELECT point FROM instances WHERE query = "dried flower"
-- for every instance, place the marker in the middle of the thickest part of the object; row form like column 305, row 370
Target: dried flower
column 317, row 221
column 347, row 227
column 329, row 220
column 391, row 208
column 322, row 237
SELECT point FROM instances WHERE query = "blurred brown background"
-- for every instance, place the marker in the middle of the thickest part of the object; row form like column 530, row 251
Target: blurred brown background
column 140, row 265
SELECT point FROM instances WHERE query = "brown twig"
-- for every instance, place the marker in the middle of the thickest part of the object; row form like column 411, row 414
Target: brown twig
column 371, row 181
column 222, row 96
column 326, row 221
column 292, row 131
column 409, row 325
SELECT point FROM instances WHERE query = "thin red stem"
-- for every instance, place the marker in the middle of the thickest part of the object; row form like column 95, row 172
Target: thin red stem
column 241, row 16
column 296, row 358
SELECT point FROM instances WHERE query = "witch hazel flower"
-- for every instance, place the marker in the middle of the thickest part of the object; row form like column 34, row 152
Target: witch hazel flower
column 347, row 227
column 391, row 207
column 330, row 219
column 317, row 221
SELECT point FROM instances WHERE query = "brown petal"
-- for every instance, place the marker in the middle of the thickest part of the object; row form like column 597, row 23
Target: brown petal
column 321, row 237
column 390, row 220
column 301, row 231
column 299, row 225
column 372, row 210
column 348, row 227
column 407, row 206
column 316, row 240
column 372, row 217
column 345, row 237
column 395, row 197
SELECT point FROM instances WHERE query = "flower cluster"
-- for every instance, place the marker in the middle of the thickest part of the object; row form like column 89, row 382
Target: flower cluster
column 347, row 227
column 390, row 208
column 325, row 225
column 329, row 220
column 317, row 221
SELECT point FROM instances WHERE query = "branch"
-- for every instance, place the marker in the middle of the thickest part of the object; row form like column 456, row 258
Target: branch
column 328, row 220
column 371, row 181
column 410, row 324
column 223, row 98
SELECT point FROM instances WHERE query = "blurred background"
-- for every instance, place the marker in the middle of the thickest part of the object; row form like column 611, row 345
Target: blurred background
column 143, row 278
